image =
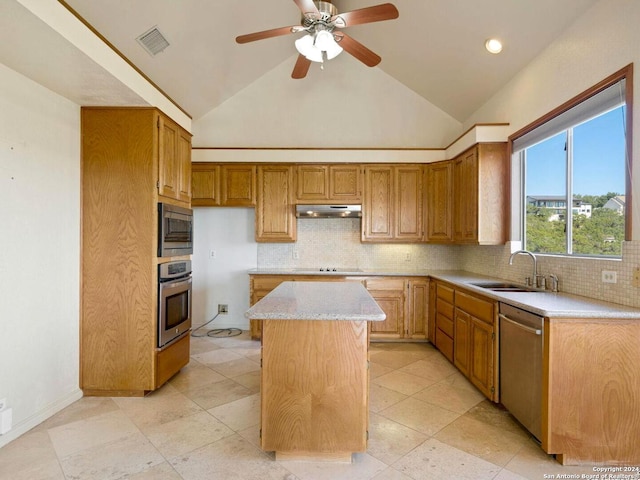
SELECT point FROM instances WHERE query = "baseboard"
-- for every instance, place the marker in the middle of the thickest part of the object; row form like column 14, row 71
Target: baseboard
column 40, row 416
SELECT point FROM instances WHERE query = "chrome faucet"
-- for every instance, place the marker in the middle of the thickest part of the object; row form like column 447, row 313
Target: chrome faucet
column 531, row 281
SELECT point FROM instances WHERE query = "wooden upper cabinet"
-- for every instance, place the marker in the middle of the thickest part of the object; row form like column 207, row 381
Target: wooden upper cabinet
column 437, row 203
column 313, row 182
column 174, row 161
column 345, row 183
column 408, row 203
column 480, row 195
column 205, row 185
column 223, row 185
column 378, row 215
column 275, row 215
column 238, row 185
column 465, row 204
column 392, row 204
column 328, row 183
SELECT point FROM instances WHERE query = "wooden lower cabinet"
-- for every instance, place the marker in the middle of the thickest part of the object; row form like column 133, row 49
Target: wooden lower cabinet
column 389, row 294
column 462, row 341
column 591, row 390
column 465, row 334
column 314, row 389
column 443, row 319
column 405, row 301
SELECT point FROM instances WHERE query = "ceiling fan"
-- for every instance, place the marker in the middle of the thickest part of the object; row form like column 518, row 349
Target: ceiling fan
column 320, row 19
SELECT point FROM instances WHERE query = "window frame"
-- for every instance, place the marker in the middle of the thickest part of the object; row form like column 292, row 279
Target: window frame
column 517, row 164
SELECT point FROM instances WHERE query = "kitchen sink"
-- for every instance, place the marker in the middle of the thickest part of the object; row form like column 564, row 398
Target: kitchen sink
column 504, row 287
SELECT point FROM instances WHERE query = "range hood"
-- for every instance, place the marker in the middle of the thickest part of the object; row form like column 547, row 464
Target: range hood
column 328, row 211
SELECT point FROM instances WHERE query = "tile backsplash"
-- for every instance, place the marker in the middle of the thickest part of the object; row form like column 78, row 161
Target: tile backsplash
column 336, row 243
column 332, row 242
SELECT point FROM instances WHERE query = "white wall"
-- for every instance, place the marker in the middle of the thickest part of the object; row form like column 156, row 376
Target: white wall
column 223, row 279
column 599, row 43
column 345, row 105
column 39, row 251
column 602, row 41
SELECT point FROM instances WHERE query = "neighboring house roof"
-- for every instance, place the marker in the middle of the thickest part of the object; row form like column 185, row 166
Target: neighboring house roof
column 615, row 203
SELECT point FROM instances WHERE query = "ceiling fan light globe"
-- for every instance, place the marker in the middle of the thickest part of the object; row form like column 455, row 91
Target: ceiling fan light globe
column 334, row 51
column 304, row 45
column 315, row 55
column 323, row 40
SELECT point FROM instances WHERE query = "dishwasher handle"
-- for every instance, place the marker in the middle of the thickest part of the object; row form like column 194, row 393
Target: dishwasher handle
column 535, row 331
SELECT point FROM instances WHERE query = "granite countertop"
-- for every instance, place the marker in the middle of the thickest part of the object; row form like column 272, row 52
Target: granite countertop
column 339, row 272
column 548, row 304
column 317, row 301
column 545, row 303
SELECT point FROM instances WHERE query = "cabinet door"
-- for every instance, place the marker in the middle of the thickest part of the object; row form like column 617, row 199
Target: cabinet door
column 275, row 216
column 438, row 202
column 417, row 320
column 388, row 292
column 183, row 153
column 205, row 185
column 168, row 164
column 408, row 203
column 312, row 183
column 378, row 220
column 238, row 185
column 461, row 341
column 465, row 197
column 345, row 183
column 481, row 371
column 392, row 304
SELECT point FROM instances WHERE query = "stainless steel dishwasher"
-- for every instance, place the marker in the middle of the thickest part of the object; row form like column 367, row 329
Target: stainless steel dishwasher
column 521, row 344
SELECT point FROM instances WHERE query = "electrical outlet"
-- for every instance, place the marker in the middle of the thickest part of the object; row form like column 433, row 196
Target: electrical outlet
column 212, row 254
column 296, row 255
column 3, row 403
column 407, row 257
column 223, row 309
column 609, row 276
column 635, row 280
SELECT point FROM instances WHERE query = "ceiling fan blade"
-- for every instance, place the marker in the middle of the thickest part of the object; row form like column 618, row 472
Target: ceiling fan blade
column 301, row 67
column 307, row 6
column 359, row 51
column 377, row 13
column 275, row 32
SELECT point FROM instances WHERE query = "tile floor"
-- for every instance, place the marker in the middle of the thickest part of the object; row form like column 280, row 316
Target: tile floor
column 426, row 422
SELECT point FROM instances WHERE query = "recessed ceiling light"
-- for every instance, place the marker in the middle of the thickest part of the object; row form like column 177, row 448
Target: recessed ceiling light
column 493, row 45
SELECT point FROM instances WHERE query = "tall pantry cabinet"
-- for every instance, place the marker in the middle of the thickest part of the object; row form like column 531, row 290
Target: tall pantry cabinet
column 132, row 158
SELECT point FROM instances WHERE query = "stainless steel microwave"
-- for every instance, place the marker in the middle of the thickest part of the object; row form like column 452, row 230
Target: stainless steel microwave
column 175, row 230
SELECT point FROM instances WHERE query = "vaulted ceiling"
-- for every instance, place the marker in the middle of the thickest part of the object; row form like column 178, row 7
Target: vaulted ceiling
column 435, row 48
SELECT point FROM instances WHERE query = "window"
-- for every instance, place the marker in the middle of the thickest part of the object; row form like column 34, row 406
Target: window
column 573, row 165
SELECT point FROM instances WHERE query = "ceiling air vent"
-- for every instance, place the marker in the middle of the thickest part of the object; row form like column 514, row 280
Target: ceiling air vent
column 153, row 41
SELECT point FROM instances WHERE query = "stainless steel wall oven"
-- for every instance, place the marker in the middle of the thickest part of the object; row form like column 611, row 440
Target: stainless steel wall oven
column 174, row 301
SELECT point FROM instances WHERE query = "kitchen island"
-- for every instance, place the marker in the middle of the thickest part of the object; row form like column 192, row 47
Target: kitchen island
column 315, row 378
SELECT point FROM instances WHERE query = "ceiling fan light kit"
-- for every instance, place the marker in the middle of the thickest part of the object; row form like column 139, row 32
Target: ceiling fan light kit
column 319, row 19
column 316, row 47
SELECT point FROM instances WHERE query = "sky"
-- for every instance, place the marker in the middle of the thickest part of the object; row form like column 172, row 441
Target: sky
column 599, row 159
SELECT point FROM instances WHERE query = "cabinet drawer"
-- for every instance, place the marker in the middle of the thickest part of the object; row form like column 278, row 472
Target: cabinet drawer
column 269, row 283
column 444, row 308
column 444, row 343
column 477, row 307
column 385, row 283
column 445, row 324
column 444, row 292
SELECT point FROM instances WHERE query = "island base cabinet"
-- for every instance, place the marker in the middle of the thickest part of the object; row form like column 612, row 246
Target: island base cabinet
column 314, row 388
column 591, row 391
